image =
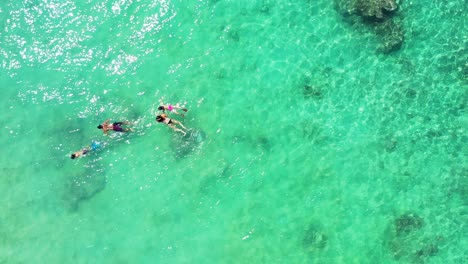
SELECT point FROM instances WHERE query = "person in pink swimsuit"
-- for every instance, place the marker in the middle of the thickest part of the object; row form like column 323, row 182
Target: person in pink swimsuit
column 171, row 108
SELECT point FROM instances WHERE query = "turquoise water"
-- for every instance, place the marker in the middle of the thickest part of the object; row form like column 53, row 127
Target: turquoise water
column 307, row 144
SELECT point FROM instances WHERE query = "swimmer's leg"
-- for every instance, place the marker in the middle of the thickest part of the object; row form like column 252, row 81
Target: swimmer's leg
column 181, row 107
column 178, row 129
column 182, row 125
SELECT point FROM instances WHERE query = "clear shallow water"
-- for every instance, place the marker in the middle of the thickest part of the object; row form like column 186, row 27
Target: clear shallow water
column 367, row 167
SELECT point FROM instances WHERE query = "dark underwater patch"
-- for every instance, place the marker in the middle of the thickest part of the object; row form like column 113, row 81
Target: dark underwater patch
column 189, row 143
column 408, row 241
column 314, row 238
column 377, row 15
column 84, row 185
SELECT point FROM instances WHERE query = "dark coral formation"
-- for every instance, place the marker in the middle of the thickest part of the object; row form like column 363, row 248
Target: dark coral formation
column 314, row 239
column 391, row 34
column 407, row 240
column 312, row 91
column 407, row 223
column 390, row 143
column 84, row 186
column 380, row 16
column 375, row 9
column 190, row 143
column 316, row 83
column 367, row 9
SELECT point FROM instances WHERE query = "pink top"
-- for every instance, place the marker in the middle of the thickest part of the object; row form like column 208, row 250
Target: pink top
column 170, row 108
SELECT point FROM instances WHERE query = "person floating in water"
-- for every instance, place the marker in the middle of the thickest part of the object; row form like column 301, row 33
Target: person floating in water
column 162, row 118
column 80, row 153
column 171, row 108
column 116, row 126
column 94, row 145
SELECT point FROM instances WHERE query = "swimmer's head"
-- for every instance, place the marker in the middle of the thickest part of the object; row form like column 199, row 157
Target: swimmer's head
column 99, row 127
column 159, row 118
column 73, row 156
column 161, row 108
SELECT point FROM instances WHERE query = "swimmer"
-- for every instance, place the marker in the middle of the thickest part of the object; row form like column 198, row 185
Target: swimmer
column 171, row 108
column 80, row 153
column 94, row 146
column 162, row 118
column 116, row 126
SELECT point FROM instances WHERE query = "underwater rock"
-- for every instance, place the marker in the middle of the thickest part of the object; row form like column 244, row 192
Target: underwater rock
column 316, row 83
column 427, row 251
column 378, row 15
column 314, row 239
column 312, row 92
column 407, row 240
column 375, row 9
column 220, row 74
column 234, row 35
column 410, row 93
column 190, row 142
column 367, row 9
column 84, row 186
column 264, row 143
column 265, row 9
column 390, row 144
column 391, row 35
column 407, row 223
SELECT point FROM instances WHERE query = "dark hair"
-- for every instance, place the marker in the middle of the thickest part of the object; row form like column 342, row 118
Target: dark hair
column 73, row 156
column 161, row 108
column 99, row 127
column 159, row 118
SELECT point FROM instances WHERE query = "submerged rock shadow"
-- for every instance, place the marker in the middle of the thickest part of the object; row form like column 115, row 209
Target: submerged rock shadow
column 315, row 84
column 84, row 185
column 407, row 240
column 188, row 144
column 379, row 16
column 314, row 239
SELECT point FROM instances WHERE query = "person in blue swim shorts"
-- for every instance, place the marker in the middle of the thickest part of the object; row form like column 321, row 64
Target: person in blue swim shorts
column 94, row 146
